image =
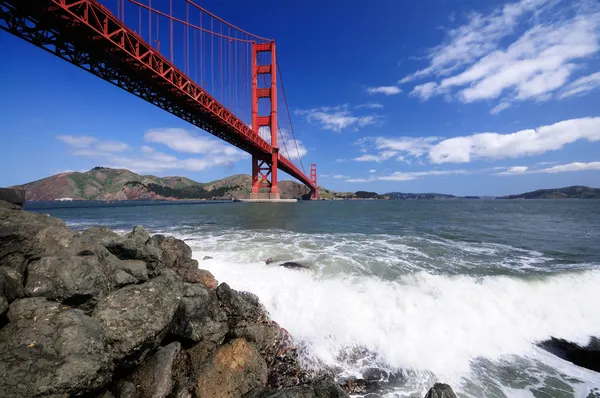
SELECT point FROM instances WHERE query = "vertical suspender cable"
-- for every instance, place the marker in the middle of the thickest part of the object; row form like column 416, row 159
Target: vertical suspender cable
column 171, row 28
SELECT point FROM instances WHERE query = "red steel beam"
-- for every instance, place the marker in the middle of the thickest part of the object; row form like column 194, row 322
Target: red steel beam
column 88, row 35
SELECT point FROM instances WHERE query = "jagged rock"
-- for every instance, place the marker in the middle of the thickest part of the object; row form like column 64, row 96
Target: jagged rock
column 232, row 371
column 175, row 252
column 199, row 316
column 196, row 275
column 137, row 245
column 122, row 278
column 440, row 390
column 135, row 268
column 49, row 349
column 584, row 356
column 73, row 280
column 249, row 319
column 127, row 389
column 294, row 265
column 207, row 258
column 9, row 206
column 137, row 317
column 26, row 236
column 11, row 284
column 320, row 388
column 3, row 304
column 154, row 378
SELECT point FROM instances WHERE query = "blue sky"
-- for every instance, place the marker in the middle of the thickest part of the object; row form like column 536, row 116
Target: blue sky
column 464, row 97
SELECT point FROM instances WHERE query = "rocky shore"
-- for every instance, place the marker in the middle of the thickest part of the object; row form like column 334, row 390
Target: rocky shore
column 99, row 314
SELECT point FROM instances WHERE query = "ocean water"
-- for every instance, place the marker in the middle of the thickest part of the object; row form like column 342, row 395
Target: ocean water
column 452, row 291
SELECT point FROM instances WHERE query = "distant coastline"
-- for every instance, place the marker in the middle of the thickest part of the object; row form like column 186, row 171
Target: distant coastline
column 108, row 184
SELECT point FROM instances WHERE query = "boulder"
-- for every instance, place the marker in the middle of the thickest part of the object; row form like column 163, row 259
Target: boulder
column 294, row 265
column 48, row 349
column 137, row 245
column 122, row 278
column 126, row 389
column 3, row 304
column 249, row 319
column 73, row 280
column 269, row 261
column 175, row 252
column 135, row 268
column 232, row 371
column 136, row 318
column 320, row 388
column 196, row 275
column 26, row 236
column 11, row 284
column 440, row 390
column 199, row 316
column 585, row 356
column 154, row 378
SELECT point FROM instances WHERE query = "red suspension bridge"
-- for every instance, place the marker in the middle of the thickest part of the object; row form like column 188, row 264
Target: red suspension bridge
column 183, row 59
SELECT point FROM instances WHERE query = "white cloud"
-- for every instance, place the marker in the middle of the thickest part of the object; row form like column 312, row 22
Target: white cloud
column 581, row 86
column 386, row 90
column 391, row 147
column 336, row 118
column 480, row 60
column 499, row 108
column 561, row 168
column 182, row 140
column 82, row 141
column 407, row 176
column 522, row 143
column 340, row 176
column 148, row 159
column 290, row 148
column 372, row 171
column 370, row 105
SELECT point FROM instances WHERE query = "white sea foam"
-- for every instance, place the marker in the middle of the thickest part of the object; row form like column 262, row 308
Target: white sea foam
column 432, row 323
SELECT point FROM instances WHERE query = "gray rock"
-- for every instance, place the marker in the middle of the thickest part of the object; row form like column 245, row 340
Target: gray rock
column 137, row 245
column 232, row 371
column 440, row 390
column 320, row 388
column 73, row 280
column 137, row 317
column 135, row 268
column 207, row 258
column 48, row 349
column 26, row 236
column 294, row 265
column 199, row 316
column 175, row 252
column 127, row 389
column 122, row 278
column 249, row 319
column 11, row 284
column 154, row 378
column 3, row 304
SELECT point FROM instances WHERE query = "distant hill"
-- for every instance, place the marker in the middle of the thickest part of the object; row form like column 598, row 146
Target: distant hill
column 102, row 183
column 574, row 192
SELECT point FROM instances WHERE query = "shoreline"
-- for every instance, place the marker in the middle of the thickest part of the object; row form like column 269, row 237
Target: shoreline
column 133, row 307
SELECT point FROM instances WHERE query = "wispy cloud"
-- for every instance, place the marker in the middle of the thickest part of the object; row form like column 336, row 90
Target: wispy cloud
column 400, row 148
column 521, row 143
column 370, row 105
column 337, row 118
column 561, row 168
column 484, row 60
column 581, row 86
column 386, row 90
column 408, row 176
column 149, row 159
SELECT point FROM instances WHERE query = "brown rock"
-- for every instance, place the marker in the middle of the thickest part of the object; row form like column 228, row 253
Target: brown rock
column 231, row 372
column 195, row 275
column 154, row 378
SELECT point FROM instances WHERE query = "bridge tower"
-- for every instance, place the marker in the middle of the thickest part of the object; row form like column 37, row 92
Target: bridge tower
column 314, row 194
column 264, row 169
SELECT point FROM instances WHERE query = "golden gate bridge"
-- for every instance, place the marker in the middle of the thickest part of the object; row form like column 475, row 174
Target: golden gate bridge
column 184, row 60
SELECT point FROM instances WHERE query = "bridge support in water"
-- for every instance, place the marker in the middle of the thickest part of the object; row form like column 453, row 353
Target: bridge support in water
column 264, row 169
